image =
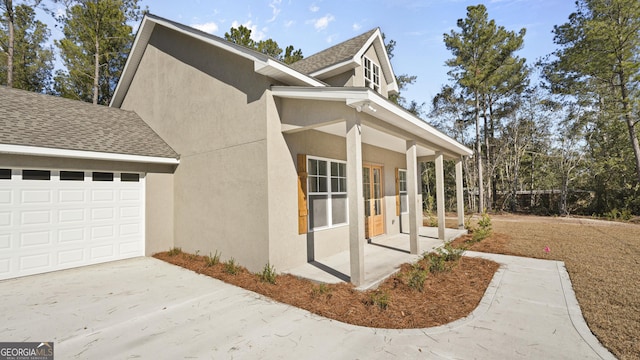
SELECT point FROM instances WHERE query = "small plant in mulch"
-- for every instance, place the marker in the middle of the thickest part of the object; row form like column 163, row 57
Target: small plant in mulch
column 380, row 298
column 416, row 277
column 212, row 260
column 268, row 274
column 443, row 259
column 320, row 290
column 195, row 256
column 230, row 267
column 174, row 251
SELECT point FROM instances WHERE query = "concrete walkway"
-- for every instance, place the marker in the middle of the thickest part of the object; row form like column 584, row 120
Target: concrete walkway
column 145, row 308
column 382, row 258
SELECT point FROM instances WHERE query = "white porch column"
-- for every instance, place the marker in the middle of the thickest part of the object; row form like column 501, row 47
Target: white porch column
column 459, row 194
column 440, row 194
column 356, row 200
column 415, row 209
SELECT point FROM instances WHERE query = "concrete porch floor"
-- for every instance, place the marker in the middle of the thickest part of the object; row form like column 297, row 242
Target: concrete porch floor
column 382, row 258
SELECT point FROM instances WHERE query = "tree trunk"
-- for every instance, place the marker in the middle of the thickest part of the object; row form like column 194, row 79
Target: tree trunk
column 96, row 72
column 10, row 20
column 481, row 206
column 630, row 126
column 487, row 152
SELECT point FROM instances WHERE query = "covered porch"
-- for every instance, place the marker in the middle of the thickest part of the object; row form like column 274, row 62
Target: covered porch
column 383, row 254
column 363, row 118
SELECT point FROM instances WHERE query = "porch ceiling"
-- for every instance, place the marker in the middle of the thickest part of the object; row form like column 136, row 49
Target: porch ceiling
column 384, row 124
column 375, row 137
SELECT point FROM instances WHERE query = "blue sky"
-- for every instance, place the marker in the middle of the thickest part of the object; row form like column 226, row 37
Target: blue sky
column 416, row 26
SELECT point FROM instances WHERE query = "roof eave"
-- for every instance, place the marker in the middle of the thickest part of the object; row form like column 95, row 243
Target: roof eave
column 83, row 154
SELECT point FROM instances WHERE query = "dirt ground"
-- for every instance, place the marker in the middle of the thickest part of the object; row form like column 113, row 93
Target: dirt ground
column 603, row 261
column 447, row 296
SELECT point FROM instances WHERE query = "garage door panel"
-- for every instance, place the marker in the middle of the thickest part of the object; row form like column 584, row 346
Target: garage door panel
column 71, row 235
column 35, row 196
column 5, row 267
column 102, row 195
column 71, row 196
column 5, row 241
column 5, row 218
column 38, row 262
column 35, row 217
column 35, row 238
column 129, row 195
column 75, row 215
column 5, row 197
column 102, row 214
column 101, row 232
column 48, row 225
column 71, row 257
column 103, row 252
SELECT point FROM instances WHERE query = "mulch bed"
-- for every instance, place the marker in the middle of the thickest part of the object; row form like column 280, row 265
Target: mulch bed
column 447, row 296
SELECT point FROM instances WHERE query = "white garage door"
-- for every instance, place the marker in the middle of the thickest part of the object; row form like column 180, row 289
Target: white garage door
column 53, row 220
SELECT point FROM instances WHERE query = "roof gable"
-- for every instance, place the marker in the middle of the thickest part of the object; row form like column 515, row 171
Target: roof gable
column 263, row 64
column 38, row 120
column 348, row 55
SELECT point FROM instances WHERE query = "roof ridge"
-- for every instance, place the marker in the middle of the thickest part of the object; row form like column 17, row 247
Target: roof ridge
column 335, row 54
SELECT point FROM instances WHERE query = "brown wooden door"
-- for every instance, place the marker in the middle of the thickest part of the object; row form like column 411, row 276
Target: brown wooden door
column 373, row 211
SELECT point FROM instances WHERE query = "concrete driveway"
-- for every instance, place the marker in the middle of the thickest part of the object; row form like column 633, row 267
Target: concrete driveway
column 145, row 308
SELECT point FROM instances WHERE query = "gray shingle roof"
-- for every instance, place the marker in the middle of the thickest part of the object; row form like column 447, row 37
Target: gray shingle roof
column 333, row 55
column 32, row 119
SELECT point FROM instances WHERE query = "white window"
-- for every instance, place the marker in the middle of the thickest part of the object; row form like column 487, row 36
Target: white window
column 371, row 75
column 402, row 187
column 327, row 187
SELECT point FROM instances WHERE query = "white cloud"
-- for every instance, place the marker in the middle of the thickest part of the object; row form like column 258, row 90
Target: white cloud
column 275, row 9
column 289, row 23
column 356, row 26
column 323, row 22
column 314, row 8
column 256, row 34
column 209, row 27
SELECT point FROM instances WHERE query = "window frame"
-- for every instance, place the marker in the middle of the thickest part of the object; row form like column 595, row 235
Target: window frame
column 403, row 193
column 329, row 193
column 371, row 74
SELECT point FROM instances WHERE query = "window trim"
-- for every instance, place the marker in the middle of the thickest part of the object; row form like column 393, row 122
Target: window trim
column 373, row 70
column 329, row 194
column 403, row 192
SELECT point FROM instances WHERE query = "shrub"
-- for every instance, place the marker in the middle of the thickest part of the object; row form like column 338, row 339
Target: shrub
column 380, row 298
column 436, row 263
column 212, row 260
column 230, row 267
column 268, row 274
column 174, row 251
column 416, row 278
column 450, row 253
column 484, row 228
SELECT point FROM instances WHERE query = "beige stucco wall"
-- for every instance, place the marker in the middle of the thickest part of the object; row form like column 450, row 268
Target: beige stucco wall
column 158, row 213
column 209, row 105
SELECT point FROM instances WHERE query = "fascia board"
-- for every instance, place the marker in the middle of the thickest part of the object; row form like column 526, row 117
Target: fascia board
column 82, row 154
